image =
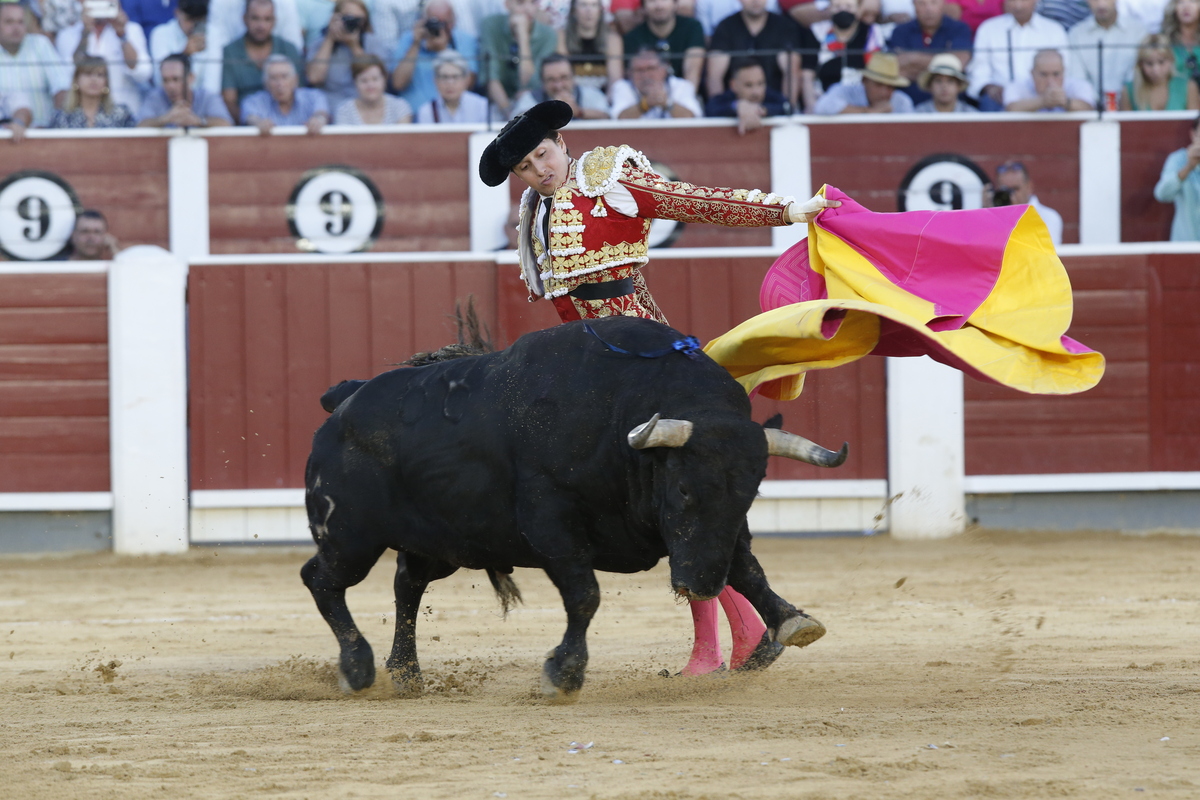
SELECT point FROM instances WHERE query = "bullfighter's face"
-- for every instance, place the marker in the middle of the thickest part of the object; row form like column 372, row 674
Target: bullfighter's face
column 545, row 168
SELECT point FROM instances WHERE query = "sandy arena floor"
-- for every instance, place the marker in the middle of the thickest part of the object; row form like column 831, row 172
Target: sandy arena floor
column 994, row 666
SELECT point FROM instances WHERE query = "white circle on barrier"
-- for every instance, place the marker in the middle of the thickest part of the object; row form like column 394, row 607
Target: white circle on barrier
column 335, row 210
column 37, row 216
column 943, row 183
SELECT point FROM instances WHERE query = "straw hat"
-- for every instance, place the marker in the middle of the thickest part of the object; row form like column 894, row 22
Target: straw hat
column 943, row 64
column 885, row 68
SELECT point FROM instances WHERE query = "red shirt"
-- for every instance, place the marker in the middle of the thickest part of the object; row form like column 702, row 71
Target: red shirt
column 975, row 12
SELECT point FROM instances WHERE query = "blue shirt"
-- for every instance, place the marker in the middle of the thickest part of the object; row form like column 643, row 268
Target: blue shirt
column 306, row 103
column 950, row 36
column 149, row 13
column 1184, row 194
column 422, row 88
column 204, row 104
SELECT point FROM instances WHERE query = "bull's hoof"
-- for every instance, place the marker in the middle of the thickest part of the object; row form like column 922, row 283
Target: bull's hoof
column 408, row 685
column 763, row 655
column 561, row 683
column 799, row 631
column 356, row 667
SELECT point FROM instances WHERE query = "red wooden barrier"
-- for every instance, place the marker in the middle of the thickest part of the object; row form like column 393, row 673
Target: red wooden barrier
column 53, row 383
column 1140, row 311
column 1145, row 145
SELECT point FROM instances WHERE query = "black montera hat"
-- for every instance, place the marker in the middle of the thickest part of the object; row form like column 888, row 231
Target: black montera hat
column 520, row 136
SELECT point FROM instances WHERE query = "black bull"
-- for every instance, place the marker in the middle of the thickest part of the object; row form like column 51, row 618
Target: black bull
column 528, row 458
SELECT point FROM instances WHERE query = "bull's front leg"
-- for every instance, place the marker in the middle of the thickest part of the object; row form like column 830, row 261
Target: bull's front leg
column 413, row 576
column 785, row 623
column 563, row 672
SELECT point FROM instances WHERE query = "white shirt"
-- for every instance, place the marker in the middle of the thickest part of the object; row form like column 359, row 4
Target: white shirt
column 471, row 108
column 680, row 91
column 1147, row 12
column 1120, row 51
column 168, row 38
column 1052, row 219
column 126, row 84
column 1004, row 50
column 1075, row 88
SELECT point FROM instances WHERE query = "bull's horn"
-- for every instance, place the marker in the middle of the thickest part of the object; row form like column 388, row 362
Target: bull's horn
column 659, row 432
column 789, row 445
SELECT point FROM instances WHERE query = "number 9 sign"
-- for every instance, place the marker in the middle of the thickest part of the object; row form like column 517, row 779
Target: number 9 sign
column 335, row 210
column 943, row 182
column 37, row 215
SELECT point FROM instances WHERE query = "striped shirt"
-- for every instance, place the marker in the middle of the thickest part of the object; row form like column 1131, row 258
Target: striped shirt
column 38, row 71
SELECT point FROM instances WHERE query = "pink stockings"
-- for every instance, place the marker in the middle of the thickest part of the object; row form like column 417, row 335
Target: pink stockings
column 744, row 624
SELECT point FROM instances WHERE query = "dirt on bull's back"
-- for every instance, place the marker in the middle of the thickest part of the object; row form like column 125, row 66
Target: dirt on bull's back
column 987, row 666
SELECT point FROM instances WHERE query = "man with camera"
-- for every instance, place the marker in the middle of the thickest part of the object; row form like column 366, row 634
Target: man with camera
column 244, row 57
column 652, row 92
column 188, row 34
column 178, row 102
column 435, row 32
column 105, row 32
column 1014, row 187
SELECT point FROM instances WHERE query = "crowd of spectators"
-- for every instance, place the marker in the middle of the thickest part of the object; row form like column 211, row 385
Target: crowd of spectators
column 195, row 63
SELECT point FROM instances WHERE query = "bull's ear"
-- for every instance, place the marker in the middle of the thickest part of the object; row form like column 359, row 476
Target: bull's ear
column 775, row 422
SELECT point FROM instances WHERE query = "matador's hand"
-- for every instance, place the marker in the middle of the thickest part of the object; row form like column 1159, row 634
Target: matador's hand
column 806, row 211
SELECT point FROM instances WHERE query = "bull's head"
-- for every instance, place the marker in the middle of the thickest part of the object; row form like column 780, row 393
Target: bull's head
column 703, row 491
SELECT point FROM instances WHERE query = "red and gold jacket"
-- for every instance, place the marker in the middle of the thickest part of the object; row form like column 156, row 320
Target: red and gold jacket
column 592, row 243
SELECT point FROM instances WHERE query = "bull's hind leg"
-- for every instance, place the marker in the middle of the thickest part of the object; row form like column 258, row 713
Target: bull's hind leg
column 413, row 575
column 562, row 674
column 786, row 624
column 328, row 579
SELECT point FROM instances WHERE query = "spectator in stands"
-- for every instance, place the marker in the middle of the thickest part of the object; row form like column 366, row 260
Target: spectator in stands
column 595, row 48
column 1005, row 47
column 846, row 41
column 652, row 92
column 780, row 40
column 1155, row 86
column 895, row 12
column 1180, row 184
column 680, row 39
column 434, row 32
column 974, row 12
column 348, row 37
column 875, row 94
column 553, row 13
column 16, row 115
column 228, row 17
column 283, row 102
column 147, row 13
column 245, row 57
column 1181, row 24
column 29, row 64
column 91, row 241
column 1147, row 12
column 90, row 103
column 118, row 42
column 453, row 104
column 1117, row 36
column 748, row 97
column 372, row 105
column 932, row 32
column 188, row 34
column 512, row 46
column 1067, row 13
column 1047, row 88
column 1013, row 178
column 626, row 14
column 178, row 102
column 945, row 82
column 808, row 12
column 558, row 83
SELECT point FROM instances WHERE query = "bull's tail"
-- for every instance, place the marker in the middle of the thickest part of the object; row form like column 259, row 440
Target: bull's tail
column 506, row 590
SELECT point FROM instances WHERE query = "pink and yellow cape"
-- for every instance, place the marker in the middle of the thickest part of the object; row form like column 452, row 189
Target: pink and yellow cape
column 982, row 291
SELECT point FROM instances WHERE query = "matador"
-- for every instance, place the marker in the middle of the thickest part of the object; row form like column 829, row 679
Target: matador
column 583, row 239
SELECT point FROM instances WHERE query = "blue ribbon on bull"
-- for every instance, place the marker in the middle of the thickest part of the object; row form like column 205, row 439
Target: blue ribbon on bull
column 688, row 345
